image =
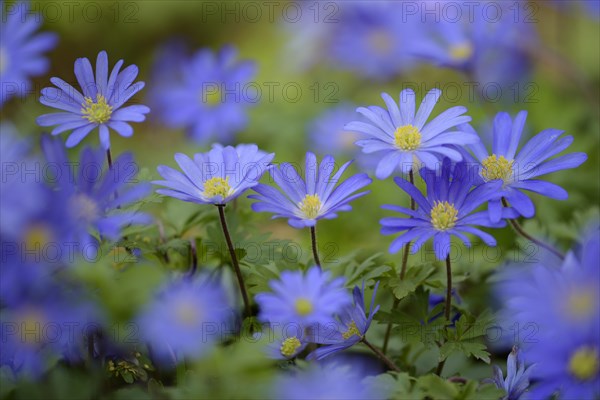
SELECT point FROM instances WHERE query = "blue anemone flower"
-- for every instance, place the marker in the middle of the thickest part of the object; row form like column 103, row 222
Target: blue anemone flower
column 354, row 322
column 446, row 211
column 303, row 299
column 557, row 308
column 287, row 346
column 210, row 95
column 400, row 136
column 101, row 104
column 304, row 201
column 517, row 376
column 215, row 177
column 95, row 195
column 21, row 49
column 516, row 169
column 186, row 318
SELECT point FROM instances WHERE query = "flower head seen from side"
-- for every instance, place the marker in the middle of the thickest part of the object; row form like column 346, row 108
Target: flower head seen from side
column 186, row 318
column 400, row 136
column 215, row 177
column 99, row 105
column 21, row 48
column 303, row 299
column 447, row 210
column 304, row 201
column 518, row 169
column 354, row 322
column 201, row 99
column 563, row 304
column 517, row 376
column 89, row 192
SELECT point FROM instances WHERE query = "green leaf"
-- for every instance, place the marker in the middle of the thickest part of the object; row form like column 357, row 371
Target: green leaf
column 414, row 277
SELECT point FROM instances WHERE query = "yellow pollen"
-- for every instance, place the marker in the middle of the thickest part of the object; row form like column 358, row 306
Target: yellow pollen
column 217, row 187
column 495, row 167
column 380, row 41
column 461, row 52
column 303, row 306
column 186, row 314
column 211, row 97
column 290, row 346
column 352, row 330
column 443, row 215
column 584, row 363
column 580, row 304
column 310, row 206
column 37, row 236
column 407, row 138
column 97, row 112
column 83, row 207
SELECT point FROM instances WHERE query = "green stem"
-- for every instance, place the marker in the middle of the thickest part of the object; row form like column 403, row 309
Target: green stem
column 313, row 239
column 381, row 356
column 234, row 260
column 448, row 306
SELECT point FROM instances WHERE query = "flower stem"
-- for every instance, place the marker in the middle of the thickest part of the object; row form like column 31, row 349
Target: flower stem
column 381, row 355
column 448, row 306
column 194, row 256
column 519, row 229
column 109, row 159
column 234, row 260
column 313, row 238
column 388, row 330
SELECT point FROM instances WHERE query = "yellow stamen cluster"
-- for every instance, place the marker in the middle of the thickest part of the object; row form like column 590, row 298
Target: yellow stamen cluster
column 31, row 326
column 84, row 208
column 495, row 167
column 97, row 112
column 217, row 186
column 580, row 304
column 443, row 215
column 290, row 346
column 211, row 98
column 352, row 330
column 310, row 206
column 303, row 306
column 407, row 138
column 584, row 363
column 37, row 236
column 461, row 52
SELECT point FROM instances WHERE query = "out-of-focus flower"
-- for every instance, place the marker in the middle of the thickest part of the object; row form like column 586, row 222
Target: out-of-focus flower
column 215, row 177
column 94, row 195
column 304, row 201
column 446, row 211
column 288, row 346
column 186, row 319
column 517, row 376
column 435, row 299
column 354, row 322
column 209, row 96
column 303, row 299
column 101, row 104
column 21, row 49
column 562, row 305
column 402, row 137
column 517, row 169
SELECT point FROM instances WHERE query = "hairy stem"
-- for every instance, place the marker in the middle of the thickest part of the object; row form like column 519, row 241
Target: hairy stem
column 448, row 306
column 381, row 356
column 313, row 239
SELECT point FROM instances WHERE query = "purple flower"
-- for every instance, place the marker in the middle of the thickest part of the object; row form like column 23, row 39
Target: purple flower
column 304, row 202
column 21, row 49
column 517, row 376
column 101, row 104
column 516, row 170
column 302, row 299
column 400, row 136
column 215, row 177
column 446, row 210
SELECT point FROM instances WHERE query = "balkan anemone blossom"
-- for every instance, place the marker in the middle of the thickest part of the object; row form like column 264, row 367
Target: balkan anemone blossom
column 517, row 169
column 215, row 177
column 446, row 211
column 401, row 137
column 304, row 201
column 101, row 104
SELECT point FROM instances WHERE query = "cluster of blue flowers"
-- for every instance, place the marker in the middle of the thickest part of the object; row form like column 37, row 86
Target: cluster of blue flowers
column 50, row 220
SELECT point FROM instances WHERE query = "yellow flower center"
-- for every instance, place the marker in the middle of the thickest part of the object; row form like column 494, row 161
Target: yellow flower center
column 380, row 41
column 290, row 346
column 581, row 303
column 217, row 187
column 407, row 138
column 83, row 207
column 37, row 236
column 584, row 363
column 186, row 314
column 97, row 112
column 211, row 97
column 352, row 330
column 495, row 167
column 31, row 326
column 461, row 52
column 310, row 206
column 303, row 307
column 443, row 215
